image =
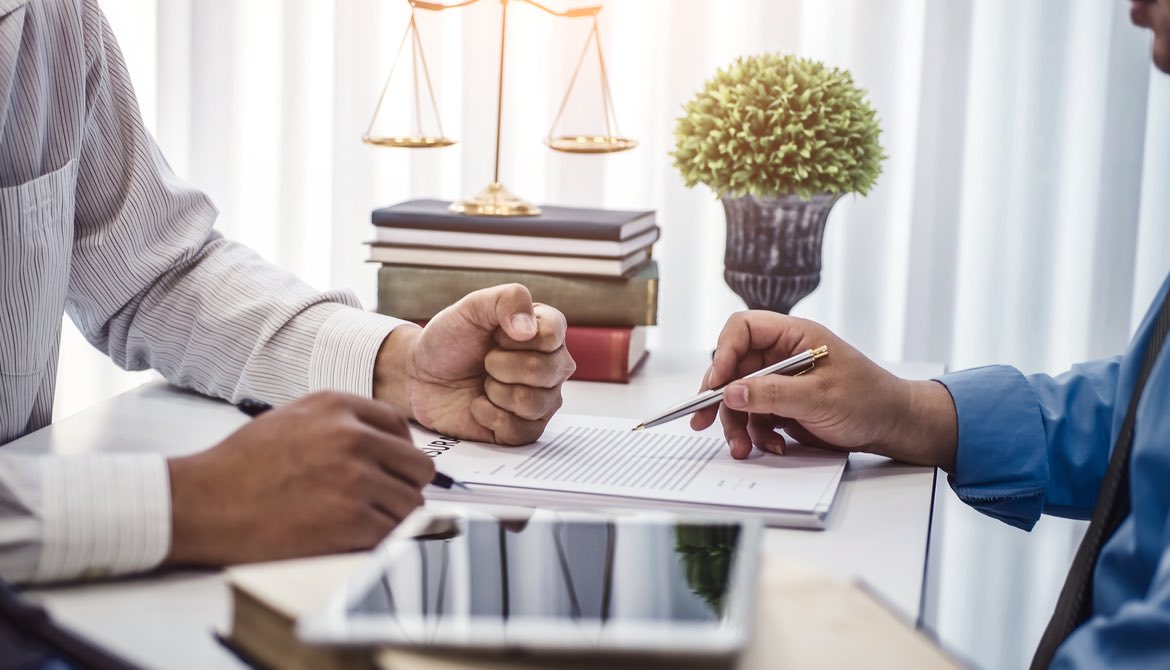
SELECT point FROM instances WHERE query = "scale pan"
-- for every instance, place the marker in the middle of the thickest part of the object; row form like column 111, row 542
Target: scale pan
column 591, row 144
column 409, row 141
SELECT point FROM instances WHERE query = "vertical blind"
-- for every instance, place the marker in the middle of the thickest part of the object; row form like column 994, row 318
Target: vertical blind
column 1021, row 216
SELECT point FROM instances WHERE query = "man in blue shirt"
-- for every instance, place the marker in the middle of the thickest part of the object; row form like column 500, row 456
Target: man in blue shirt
column 1015, row 446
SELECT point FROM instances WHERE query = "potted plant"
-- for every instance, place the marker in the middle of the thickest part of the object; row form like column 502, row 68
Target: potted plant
column 779, row 139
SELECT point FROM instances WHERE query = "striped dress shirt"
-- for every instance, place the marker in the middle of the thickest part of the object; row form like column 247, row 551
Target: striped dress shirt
column 94, row 224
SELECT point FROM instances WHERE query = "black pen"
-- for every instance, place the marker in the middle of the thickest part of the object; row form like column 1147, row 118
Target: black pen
column 255, row 408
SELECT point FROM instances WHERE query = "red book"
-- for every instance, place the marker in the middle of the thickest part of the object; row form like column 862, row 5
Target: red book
column 604, row 353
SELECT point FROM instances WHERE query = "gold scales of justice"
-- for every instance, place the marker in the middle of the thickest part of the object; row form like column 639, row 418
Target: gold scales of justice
column 495, row 199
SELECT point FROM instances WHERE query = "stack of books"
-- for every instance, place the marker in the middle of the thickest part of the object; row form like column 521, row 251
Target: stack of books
column 594, row 265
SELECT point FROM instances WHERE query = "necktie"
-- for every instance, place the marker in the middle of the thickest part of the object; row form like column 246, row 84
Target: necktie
column 1076, row 597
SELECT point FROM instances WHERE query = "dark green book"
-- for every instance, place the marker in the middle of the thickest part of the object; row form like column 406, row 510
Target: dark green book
column 417, row 293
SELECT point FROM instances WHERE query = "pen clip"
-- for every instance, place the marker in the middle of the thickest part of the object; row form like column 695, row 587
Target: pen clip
column 811, row 364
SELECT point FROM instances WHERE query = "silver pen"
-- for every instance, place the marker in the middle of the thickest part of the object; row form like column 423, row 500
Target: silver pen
column 798, row 364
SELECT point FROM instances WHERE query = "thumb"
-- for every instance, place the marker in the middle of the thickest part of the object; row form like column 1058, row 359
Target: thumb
column 508, row 306
column 782, row 395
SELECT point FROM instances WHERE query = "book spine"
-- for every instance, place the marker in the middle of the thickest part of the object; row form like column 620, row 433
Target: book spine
column 601, row 354
column 418, row 293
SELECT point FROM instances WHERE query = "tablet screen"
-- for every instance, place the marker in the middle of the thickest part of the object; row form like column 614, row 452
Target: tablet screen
column 601, row 571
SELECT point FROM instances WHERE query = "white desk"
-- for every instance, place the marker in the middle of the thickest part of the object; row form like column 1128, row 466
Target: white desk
column 878, row 530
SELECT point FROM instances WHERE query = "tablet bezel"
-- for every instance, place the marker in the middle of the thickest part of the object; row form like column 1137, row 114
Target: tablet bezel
column 333, row 625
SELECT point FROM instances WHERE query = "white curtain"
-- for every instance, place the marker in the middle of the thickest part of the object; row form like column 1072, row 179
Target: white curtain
column 1020, row 218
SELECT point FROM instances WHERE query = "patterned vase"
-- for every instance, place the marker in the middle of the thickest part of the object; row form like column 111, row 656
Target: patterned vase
column 773, row 256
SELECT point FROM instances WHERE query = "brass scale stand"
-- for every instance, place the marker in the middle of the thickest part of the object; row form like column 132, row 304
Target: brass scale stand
column 495, row 199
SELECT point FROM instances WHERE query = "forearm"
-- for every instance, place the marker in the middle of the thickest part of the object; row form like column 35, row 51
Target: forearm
column 228, row 324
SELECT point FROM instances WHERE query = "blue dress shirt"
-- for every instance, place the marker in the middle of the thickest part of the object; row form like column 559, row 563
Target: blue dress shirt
column 1036, row 444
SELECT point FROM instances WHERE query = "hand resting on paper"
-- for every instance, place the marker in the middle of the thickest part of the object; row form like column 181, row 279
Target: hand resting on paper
column 488, row 368
column 846, row 402
column 325, row 474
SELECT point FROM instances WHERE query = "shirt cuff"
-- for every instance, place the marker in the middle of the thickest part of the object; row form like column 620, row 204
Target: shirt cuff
column 103, row 515
column 345, row 350
column 1001, row 467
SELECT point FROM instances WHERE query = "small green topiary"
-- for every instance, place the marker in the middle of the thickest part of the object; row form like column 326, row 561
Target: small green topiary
column 773, row 125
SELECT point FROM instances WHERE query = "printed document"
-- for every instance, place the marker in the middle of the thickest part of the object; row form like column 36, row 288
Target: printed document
column 594, row 461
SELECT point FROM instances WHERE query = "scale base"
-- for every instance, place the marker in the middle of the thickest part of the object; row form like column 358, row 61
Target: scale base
column 494, row 200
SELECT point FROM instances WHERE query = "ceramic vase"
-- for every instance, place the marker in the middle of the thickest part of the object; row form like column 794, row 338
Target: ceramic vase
column 773, row 255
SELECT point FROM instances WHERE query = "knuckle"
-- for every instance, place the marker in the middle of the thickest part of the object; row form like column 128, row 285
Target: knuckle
column 569, row 365
column 772, row 394
column 547, row 341
column 533, row 366
column 523, row 396
column 352, row 437
column 515, row 290
column 353, row 477
column 557, row 401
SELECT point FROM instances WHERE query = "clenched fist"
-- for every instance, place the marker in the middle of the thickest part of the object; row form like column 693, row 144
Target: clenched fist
column 488, row 368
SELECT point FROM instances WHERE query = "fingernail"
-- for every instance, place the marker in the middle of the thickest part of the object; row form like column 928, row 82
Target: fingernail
column 524, row 324
column 736, row 396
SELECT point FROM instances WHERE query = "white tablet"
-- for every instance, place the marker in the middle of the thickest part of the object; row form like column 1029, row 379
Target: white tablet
column 554, row 582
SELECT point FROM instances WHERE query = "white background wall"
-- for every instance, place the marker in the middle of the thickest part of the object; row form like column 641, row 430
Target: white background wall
column 1021, row 217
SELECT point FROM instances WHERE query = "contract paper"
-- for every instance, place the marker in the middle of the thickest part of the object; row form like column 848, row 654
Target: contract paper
column 596, row 461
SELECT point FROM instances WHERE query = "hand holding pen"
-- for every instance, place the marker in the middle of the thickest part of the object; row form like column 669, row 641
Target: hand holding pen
column 255, row 408
column 846, row 402
column 327, row 473
column 793, row 365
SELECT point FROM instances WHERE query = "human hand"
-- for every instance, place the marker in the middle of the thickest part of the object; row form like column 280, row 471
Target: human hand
column 326, row 474
column 846, row 402
column 488, row 368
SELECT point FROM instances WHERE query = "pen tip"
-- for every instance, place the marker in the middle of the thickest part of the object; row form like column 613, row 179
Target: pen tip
column 638, row 427
column 461, row 485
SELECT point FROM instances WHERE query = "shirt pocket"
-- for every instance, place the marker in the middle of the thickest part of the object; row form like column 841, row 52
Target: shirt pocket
column 36, row 236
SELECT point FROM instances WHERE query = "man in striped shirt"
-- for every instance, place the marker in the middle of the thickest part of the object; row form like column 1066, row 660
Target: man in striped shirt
column 93, row 223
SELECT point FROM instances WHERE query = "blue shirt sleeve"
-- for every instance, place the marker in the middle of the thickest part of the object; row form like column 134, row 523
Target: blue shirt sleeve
column 1035, row 444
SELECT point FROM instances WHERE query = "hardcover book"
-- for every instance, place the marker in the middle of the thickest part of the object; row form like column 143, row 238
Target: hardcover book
column 606, row 354
column 578, row 223
column 419, row 293
column 563, row 246
column 496, row 260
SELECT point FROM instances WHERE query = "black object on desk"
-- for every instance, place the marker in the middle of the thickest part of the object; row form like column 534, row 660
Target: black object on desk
column 29, row 638
column 255, row 408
